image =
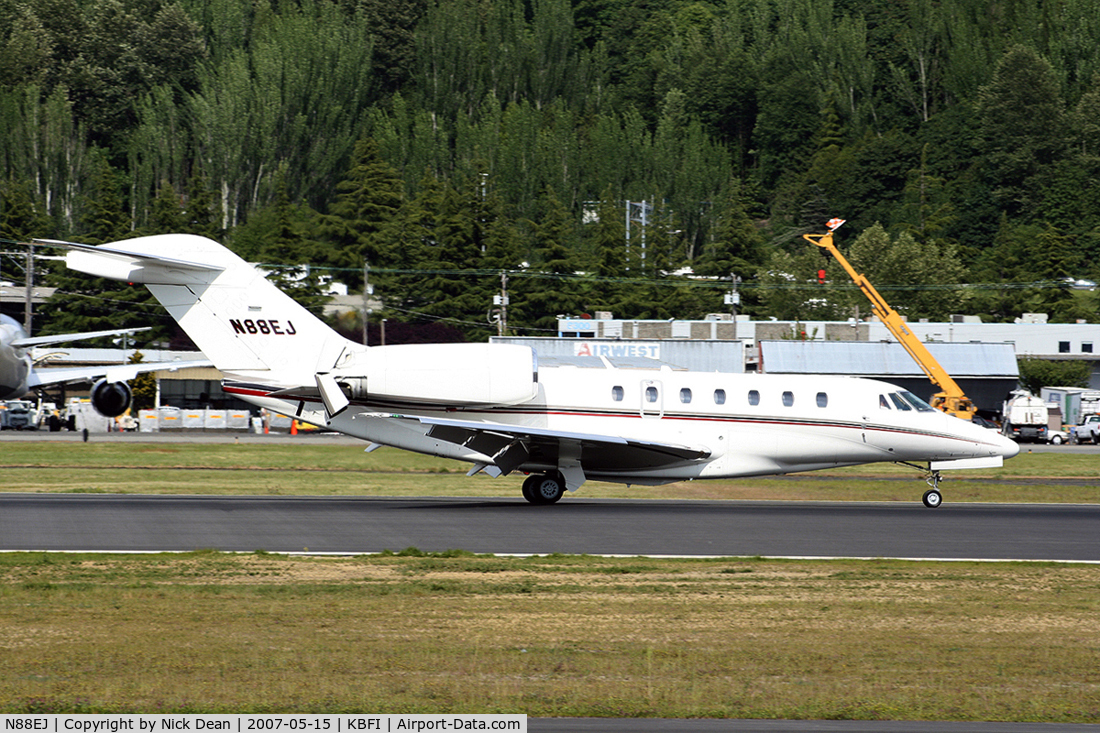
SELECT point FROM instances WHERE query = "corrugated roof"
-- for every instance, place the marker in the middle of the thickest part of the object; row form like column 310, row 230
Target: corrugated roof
column 884, row 359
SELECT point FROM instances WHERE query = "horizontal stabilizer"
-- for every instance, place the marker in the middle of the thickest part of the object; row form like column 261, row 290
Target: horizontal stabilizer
column 64, row 338
column 118, row 373
column 119, row 262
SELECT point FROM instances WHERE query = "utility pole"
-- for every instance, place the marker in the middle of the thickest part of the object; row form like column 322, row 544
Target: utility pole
column 637, row 211
column 502, row 302
column 28, row 303
column 733, row 299
column 367, row 291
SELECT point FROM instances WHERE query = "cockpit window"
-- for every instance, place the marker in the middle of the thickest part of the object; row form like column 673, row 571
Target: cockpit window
column 883, row 402
column 917, row 402
column 899, row 402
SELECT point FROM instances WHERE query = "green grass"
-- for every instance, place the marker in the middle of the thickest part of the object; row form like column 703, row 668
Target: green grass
column 309, row 468
column 550, row 636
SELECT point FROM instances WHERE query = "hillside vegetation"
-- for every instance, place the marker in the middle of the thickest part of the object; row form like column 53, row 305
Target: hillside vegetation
column 445, row 141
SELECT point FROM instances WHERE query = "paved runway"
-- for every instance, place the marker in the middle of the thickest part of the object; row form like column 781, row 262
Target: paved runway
column 75, row 522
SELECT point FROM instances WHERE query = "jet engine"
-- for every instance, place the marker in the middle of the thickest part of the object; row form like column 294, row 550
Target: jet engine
column 110, row 399
column 444, row 374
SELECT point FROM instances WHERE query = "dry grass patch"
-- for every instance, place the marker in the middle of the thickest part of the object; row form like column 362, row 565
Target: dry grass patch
column 550, row 636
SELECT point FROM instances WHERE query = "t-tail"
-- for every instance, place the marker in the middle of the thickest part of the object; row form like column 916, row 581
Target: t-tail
column 255, row 333
column 240, row 320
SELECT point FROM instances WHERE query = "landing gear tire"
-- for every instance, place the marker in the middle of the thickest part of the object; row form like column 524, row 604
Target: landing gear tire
column 544, row 489
column 529, row 488
column 932, row 498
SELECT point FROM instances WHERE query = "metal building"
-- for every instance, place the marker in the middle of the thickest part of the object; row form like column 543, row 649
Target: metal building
column 986, row 372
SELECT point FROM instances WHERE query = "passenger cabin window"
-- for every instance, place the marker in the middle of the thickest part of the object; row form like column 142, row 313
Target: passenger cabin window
column 685, row 395
column 617, row 394
column 719, row 396
column 788, row 399
column 822, row 399
column 754, row 397
column 650, row 394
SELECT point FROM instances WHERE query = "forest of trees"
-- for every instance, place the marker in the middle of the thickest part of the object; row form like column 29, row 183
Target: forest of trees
column 444, row 142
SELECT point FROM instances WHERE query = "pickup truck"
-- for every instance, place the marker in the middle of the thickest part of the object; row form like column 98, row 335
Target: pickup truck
column 1088, row 431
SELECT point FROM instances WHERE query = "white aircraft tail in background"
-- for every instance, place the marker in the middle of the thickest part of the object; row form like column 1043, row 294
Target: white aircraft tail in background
column 492, row 406
column 110, row 394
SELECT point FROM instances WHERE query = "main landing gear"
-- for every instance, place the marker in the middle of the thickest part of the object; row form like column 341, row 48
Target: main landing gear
column 543, row 488
column 932, row 498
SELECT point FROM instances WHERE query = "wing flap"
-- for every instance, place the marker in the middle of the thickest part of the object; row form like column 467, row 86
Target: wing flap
column 510, row 446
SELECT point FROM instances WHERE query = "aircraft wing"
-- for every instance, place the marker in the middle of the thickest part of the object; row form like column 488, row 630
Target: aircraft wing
column 114, row 373
column 511, row 446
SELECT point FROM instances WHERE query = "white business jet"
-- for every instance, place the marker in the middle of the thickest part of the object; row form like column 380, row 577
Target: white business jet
column 110, row 394
column 492, row 406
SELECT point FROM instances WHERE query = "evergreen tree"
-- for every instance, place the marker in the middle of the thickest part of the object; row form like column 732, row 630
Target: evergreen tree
column 200, row 216
column 737, row 245
column 1054, row 262
column 366, row 201
column 279, row 238
column 453, row 293
column 607, row 239
column 1022, row 124
column 540, row 300
column 104, row 216
column 166, row 216
column 21, row 218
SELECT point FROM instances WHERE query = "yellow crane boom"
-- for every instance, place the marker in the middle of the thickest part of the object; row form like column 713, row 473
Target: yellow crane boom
column 950, row 398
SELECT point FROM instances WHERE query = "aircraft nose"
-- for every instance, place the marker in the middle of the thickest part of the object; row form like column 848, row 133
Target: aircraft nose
column 1009, row 448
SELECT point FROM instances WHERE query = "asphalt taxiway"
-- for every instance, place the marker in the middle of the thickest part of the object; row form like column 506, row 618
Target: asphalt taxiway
column 576, row 525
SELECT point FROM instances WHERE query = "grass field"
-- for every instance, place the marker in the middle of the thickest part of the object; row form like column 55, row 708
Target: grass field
column 550, row 636
column 547, row 636
column 251, row 468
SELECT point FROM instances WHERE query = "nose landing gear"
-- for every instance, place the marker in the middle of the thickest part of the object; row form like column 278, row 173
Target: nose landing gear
column 932, row 498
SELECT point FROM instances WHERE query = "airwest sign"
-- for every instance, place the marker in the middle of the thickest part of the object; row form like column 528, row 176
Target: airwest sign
column 617, row 349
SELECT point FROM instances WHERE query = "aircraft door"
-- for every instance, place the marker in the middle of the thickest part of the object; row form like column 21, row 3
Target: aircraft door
column 652, row 398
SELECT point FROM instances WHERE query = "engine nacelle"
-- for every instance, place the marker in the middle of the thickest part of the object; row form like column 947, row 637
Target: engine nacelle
column 111, row 399
column 443, row 374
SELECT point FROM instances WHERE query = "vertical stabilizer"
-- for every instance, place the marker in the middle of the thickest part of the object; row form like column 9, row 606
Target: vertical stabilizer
column 240, row 320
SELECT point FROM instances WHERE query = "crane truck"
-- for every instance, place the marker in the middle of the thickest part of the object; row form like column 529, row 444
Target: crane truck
column 950, row 398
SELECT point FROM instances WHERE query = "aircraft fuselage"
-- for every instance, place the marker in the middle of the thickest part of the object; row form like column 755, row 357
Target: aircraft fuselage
column 15, row 365
column 745, row 424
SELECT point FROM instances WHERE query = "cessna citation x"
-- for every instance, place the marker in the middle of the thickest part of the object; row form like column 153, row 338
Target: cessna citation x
column 492, row 406
column 110, row 394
